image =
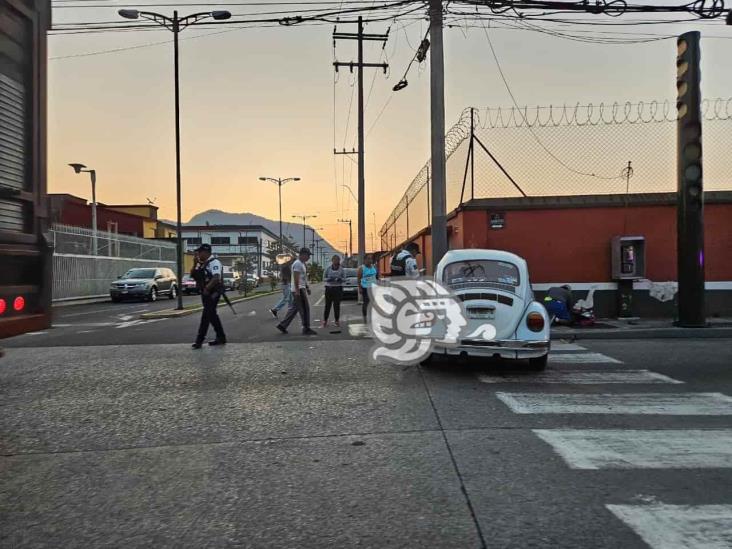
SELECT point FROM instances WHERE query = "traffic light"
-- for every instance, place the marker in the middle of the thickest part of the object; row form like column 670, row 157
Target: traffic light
column 690, row 190
column 688, row 104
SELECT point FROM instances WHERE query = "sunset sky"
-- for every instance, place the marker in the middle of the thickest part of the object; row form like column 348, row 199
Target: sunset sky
column 260, row 102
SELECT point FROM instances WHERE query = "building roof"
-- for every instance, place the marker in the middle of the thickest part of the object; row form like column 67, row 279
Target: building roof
column 227, row 228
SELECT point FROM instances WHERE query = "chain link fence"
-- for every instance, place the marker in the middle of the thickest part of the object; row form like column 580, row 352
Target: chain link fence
column 79, row 273
column 550, row 151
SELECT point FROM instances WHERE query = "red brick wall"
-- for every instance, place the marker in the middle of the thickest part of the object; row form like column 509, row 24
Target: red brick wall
column 573, row 244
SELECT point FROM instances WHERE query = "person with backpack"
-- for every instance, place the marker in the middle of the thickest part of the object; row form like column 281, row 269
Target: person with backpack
column 405, row 263
column 285, row 262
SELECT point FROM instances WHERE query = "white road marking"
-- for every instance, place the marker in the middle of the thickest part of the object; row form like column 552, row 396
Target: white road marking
column 320, row 301
column 567, row 347
column 664, row 526
column 358, row 330
column 61, row 325
column 582, row 358
column 672, row 404
column 641, row 449
column 583, row 378
column 34, row 333
column 95, row 311
column 126, row 318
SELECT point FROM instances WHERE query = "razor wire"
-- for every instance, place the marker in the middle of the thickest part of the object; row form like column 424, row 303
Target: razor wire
column 600, row 138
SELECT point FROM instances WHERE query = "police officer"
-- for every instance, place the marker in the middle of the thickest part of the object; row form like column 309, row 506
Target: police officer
column 208, row 273
column 405, row 263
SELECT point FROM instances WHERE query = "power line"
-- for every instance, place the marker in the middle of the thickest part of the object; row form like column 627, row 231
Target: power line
column 531, row 130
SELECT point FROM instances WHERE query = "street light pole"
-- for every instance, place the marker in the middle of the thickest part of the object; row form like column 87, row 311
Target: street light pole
column 279, row 182
column 78, row 168
column 175, row 25
column 350, row 235
column 304, row 218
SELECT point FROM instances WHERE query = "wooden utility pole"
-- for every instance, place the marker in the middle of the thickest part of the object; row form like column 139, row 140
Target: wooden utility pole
column 360, row 65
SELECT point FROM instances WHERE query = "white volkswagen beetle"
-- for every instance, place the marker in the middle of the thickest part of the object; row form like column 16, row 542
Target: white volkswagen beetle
column 495, row 289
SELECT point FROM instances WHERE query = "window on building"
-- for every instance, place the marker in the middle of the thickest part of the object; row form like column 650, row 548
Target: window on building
column 220, row 240
column 248, row 240
column 193, row 240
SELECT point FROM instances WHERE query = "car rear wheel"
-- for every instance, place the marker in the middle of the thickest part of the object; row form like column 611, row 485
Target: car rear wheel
column 539, row 364
column 173, row 291
column 153, row 295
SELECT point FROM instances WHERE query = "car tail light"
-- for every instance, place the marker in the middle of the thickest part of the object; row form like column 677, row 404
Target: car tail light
column 535, row 322
column 19, row 303
column 3, row 306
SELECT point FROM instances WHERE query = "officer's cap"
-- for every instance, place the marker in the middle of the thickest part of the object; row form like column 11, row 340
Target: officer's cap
column 204, row 248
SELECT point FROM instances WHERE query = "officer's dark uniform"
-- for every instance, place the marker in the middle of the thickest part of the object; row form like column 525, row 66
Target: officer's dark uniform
column 202, row 273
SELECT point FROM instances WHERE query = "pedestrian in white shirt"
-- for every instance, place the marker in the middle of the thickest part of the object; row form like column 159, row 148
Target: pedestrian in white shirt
column 300, row 292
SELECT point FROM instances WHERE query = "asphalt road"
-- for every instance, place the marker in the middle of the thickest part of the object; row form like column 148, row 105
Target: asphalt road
column 120, row 323
column 307, row 443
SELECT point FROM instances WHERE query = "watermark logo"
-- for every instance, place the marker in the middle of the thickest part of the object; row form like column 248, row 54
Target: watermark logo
column 409, row 316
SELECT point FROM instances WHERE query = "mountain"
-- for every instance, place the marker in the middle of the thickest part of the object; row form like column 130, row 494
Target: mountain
column 293, row 230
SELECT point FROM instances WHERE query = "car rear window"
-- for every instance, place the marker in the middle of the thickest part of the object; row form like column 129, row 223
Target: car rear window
column 139, row 273
column 483, row 271
column 350, row 272
column 228, row 275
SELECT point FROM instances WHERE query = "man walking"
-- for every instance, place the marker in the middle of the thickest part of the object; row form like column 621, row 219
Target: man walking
column 285, row 262
column 300, row 292
column 208, row 273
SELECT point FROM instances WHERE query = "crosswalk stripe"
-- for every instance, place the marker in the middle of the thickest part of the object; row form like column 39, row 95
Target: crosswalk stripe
column 664, row 526
column 672, row 404
column 583, row 378
column 582, row 358
column 641, row 449
column 567, row 347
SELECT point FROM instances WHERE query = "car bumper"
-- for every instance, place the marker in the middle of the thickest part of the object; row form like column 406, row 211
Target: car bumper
column 131, row 292
column 509, row 348
column 350, row 290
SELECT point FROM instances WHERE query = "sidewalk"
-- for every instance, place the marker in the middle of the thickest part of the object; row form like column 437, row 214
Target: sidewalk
column 645, row 328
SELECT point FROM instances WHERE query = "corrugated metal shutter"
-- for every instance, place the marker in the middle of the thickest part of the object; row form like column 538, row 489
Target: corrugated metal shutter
column 14, row 121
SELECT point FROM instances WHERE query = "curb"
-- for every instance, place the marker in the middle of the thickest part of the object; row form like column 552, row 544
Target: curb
column 174, row 313
column 644, row 333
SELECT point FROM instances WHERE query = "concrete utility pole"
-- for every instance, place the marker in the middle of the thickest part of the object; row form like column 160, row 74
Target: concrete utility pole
column 437, row 110
column 690, row 188
column 360, row 65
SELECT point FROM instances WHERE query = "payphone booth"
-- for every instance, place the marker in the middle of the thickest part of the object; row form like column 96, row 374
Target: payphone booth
column 628, row 263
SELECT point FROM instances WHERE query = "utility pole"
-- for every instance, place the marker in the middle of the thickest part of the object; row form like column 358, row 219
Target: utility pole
column 690, row 188
column 360, row 65
column 304, row 218
column 437, row 110
column 350, row 235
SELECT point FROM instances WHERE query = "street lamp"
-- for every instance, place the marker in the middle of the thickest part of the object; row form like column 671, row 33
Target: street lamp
column 78, row 168
column 176, row 24
column 279, row 182
column 350, row 234
column 304, row 218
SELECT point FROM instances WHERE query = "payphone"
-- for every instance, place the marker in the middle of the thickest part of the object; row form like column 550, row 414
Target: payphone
column 628, row 263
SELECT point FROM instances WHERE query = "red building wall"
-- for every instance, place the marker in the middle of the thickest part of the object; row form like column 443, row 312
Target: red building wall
column 573, row 244
column 76, row 212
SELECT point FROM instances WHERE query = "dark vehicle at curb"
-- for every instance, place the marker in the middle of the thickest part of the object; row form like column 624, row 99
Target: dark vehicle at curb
column 146, row 283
